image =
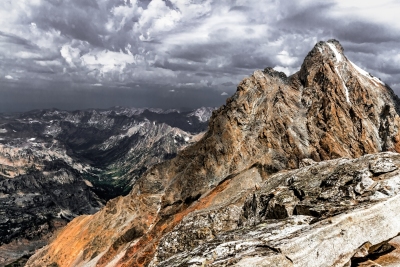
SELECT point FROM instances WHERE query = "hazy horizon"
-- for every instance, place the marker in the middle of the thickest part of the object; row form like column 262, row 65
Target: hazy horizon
column 75, row 54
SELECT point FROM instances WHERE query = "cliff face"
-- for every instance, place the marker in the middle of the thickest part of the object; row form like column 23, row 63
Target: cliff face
column 329, row 109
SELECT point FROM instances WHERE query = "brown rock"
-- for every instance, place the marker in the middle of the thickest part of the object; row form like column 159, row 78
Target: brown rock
column 327, row 110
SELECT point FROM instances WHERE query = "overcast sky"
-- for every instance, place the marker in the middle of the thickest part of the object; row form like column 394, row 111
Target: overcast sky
column 75, row 54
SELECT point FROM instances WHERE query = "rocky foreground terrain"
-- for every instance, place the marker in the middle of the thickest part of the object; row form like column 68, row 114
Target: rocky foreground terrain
column 56, row 165
column 291, row 172
column 338, row 212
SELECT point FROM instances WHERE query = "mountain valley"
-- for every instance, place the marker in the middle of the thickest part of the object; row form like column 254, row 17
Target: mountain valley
column 56, row 165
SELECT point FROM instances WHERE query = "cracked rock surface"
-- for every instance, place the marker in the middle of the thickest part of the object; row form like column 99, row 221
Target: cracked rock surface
column 308, row 220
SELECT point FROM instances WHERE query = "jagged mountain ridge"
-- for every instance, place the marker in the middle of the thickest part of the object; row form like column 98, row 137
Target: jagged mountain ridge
column 56, row 165
column 94, row 139
column 327, row 110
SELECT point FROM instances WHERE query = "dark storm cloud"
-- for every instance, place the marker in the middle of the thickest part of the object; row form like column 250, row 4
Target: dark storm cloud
column 366, row 32
column 66, row 97
column 392, row 69
column 202, row 74
column 99, row 53
column 240, row 8
column 16, row 40
column 71, row 19
column 365, row 48
column 182, row 66
column 308, row 17
column 319, row 18
column 199, row 52
column 144, row 3
column 251, row 62
column 228, row 84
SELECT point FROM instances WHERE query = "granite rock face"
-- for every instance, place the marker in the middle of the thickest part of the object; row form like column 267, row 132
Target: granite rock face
column 220, row 203
column 294, row 218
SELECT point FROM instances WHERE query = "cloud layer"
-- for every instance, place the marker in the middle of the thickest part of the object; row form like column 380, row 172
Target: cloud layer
column 98, row 53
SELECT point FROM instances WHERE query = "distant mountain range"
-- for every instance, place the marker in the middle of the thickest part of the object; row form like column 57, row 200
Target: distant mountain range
column 56, row 165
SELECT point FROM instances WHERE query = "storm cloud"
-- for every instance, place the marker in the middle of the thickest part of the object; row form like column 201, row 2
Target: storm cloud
column 75, row 54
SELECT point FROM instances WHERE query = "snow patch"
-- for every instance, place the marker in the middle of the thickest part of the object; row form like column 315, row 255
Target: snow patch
column 344, row 85
column 339, row 58
column 31, row 139
column 171, row 111
column 139, row 128
column 52, row 130
column 3, row 130
column 133, row 130
column 156, row 110
column 203, row 114
column 65, row 213
column 335, row 51
column 366, row 74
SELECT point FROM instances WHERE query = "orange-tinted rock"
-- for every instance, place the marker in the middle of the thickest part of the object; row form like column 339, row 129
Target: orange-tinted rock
column 327, row 110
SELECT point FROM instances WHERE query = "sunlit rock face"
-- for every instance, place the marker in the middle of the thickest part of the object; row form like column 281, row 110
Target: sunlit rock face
column 331, row 213
column 232, row 198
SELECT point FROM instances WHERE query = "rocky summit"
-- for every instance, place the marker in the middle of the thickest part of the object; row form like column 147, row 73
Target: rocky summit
column 293, row 171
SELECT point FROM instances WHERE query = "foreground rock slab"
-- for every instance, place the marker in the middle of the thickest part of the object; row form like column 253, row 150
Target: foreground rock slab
column 321, row 226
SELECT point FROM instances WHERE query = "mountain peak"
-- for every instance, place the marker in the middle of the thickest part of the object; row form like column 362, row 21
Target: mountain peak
column 336, row 48
column 327, row 110
column 329, row 50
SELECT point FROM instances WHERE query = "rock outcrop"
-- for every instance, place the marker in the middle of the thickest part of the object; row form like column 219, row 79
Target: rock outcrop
column 217, row 198
column 314, row 216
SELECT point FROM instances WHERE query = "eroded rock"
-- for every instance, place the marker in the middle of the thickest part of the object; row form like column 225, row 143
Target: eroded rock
column 382, row 166
column 320, row 232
